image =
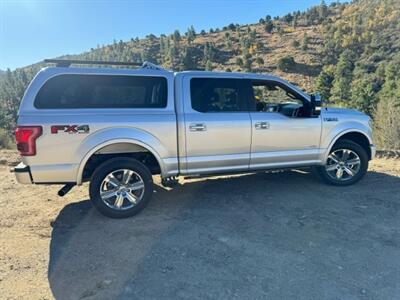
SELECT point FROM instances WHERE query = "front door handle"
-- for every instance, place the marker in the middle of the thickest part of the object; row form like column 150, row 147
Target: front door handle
column 262, row 125
column 197, row 127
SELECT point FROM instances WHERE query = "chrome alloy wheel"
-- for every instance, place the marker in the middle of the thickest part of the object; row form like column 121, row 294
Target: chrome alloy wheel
column 343, row 164
column 122, row 189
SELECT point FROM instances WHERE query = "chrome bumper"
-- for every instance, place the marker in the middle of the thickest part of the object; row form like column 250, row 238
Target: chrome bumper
column 22, row 174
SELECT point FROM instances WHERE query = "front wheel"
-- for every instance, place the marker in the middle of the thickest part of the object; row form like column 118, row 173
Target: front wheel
column 121, row 187
column 347, row 163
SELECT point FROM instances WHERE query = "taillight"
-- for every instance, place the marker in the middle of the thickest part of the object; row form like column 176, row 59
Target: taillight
column 25, row 137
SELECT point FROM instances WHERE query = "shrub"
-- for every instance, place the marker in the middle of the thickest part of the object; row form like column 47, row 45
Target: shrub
column 5, row 139
column 286, row 63
column 239, row 61
column 269, row 26
column 260, row 61
column 296, row 44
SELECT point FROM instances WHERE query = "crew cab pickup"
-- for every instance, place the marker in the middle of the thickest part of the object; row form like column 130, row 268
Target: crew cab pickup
column 118, row 127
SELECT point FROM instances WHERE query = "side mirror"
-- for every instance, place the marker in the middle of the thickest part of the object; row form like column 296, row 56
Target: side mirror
column 316, row 103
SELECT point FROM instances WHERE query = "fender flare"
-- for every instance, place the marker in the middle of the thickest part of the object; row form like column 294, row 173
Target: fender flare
column 114, row 135
column 110, row 142
column 339, row 135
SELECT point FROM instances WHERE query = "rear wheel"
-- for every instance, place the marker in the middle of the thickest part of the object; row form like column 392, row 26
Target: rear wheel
column 121, row 187
column 347, row 163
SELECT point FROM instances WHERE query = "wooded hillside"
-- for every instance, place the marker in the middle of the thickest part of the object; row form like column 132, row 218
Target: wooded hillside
column 347, row 52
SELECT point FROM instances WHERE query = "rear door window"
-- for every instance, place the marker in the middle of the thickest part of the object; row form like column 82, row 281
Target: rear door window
column 219, row 94
column 70, row 91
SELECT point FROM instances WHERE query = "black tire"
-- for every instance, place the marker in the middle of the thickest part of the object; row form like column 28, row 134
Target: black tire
column 363, row 167
column 141, row 172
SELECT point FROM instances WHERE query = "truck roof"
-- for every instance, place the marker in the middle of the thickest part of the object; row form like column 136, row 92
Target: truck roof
column 146, row 68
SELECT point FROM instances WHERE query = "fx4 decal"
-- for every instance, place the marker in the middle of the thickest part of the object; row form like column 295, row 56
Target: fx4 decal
column 70, row 128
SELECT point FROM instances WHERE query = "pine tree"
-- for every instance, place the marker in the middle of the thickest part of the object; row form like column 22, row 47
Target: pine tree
column 189, row 61
column 387, row 114
column 208, row 66
column 191, row 34
column 269, row 26
column 260, row 61
column 324, row 83
column 208, row 52
column 364, row 92
column 305, row 42
column 341, row 89
column 323, row 11
column 239, row 61
column 176, row 36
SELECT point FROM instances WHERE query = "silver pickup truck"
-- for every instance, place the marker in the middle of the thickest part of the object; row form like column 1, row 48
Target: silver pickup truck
column 118, row 127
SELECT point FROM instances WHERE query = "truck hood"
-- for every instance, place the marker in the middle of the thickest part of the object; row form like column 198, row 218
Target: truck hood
column 345, row 111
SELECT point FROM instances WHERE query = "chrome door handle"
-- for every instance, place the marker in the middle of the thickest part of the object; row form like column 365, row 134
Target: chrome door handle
column 262, row 125
column 197, row 127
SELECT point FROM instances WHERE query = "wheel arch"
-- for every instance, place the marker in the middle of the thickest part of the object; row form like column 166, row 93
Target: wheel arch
column 117, row 146
column 357, row 136
column 122, row 140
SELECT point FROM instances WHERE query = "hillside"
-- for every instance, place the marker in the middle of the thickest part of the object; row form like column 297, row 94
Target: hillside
column 348, row 52
column 249, row 48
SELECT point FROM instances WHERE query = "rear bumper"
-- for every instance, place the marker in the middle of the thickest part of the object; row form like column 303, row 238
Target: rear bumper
column 22, row 174
column 51, row 174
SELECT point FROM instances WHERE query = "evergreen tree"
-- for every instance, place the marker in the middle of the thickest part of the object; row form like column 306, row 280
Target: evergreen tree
column 305, row 42
column 177, row 36
column 247, row 62
column 239, row 61
column 324, row 82
column 208, row 66
column 189, row 61
column 191, row 34
column 288, row 18
column 387, row 115
column 341, row 89
column 232, row 27
column 323, row 11
column 260, row 61
column 269, row 26
column 208, row 52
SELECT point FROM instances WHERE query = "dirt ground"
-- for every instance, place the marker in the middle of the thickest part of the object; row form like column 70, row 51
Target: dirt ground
column 280, row 235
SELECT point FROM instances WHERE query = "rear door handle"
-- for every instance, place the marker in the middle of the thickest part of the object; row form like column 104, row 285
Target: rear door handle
column 262, row 125
column 197, row 127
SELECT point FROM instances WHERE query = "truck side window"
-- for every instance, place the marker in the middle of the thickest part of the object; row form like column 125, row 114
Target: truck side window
column 70, row 91
column 272, row 96
column 218, row 95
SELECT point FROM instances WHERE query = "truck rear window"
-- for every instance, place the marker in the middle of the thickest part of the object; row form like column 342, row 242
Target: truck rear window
column 102, row 91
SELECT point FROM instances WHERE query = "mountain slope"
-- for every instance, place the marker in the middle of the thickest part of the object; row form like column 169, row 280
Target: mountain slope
column 348, row 52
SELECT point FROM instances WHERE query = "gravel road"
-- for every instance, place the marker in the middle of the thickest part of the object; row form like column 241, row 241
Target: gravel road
column 280, row 235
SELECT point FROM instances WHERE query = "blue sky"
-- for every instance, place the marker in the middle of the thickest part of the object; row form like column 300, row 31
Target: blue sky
column 33, row 30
